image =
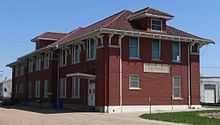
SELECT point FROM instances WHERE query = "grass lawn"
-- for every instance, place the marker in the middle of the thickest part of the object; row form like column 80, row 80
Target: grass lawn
column 192, row 118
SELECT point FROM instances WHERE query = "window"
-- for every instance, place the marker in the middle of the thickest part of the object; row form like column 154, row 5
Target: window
column 134, row 81
column 45, row 88
column 91, row 49
column 176, row 87
column 134, row 47
column 75, row 87
column 22, row 70
column 46, row 61
column 37, row 88
column 30, row 89
column 76, row 54
column 156, row 49
column 176, row 51
column 63, row 59
column 16, row 70
column 156, row 24
column 38, row 63
column 63, row 87
column 30, row 66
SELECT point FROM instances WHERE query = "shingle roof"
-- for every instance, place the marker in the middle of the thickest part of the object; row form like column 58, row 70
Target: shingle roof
column 152, row 11
column 50, row 35
column 119, row 21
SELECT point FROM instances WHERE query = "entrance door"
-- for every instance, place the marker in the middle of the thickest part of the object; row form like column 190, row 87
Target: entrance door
column 209, row 95
column 91, row 93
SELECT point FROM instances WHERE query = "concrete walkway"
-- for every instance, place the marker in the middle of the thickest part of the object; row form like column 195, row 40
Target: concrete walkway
column 20, row 117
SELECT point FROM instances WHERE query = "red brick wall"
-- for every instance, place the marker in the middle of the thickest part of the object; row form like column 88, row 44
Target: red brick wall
column 156, row 85
column 195, row 78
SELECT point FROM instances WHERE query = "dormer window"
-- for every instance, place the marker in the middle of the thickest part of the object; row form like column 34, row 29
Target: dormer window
column 156, row 25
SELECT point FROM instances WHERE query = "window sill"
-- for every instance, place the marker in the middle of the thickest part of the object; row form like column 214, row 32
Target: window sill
column 177, row 62
column 135, row 89
column 177, row 98
column 90, row 59
column 134, row 58
column 157, row 31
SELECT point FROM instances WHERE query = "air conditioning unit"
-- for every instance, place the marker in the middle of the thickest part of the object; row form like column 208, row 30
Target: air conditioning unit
column 178, row 58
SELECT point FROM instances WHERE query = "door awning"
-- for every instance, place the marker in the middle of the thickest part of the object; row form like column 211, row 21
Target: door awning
column 81, row 75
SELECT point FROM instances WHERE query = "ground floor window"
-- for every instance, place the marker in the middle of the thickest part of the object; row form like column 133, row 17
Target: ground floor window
column 45, row 88
column 30, row 89
column 75, row 87
column 134, row 81
column 37, row 88
column 176, row 87
column 63, row 87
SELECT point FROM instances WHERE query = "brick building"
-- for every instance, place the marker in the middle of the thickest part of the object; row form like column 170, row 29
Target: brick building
column 122, row 63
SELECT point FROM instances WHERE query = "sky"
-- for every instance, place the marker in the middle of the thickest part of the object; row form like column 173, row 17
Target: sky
column 21, row 20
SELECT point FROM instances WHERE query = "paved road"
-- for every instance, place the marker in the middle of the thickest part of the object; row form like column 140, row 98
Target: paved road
column 20, row 117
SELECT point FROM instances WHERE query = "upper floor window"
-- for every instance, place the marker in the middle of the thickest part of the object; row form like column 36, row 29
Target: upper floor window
column 176, row 51
column 46, row 61
column 63, row 59
column 134, row 51
column 156, row 45
column 38, row 63
column 22, row 70
column 91, row 49
column 156, row 24
column 134, row 81
column 30, row 66
column 76, row 54
column 176, row 87
column 16, row 70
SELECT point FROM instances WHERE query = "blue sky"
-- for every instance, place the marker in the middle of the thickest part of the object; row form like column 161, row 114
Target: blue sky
column 22, row 20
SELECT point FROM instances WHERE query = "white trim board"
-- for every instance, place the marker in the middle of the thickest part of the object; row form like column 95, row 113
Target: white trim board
column 146, row 108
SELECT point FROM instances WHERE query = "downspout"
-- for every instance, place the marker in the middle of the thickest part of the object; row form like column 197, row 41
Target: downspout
column 58, row 76
column 120, row 73
column 189, row 77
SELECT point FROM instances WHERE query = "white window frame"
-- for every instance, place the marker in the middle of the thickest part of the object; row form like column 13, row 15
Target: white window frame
column 132, row 80
column 159, row 50
column 46, row 60
column 63, row 85
column 76, row 54
column 75, row 80
column 89, row 50
column 180, row 58
column 46, row 84
column 64, row 56
column 138, row 49
column 37, row 89
column 174, row 87
column 161, row 25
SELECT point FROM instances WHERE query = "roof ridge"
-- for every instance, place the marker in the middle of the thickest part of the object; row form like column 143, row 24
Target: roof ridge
column 116, row 18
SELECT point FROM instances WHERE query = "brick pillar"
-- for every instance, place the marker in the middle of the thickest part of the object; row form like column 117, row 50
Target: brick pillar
column 195, row 80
